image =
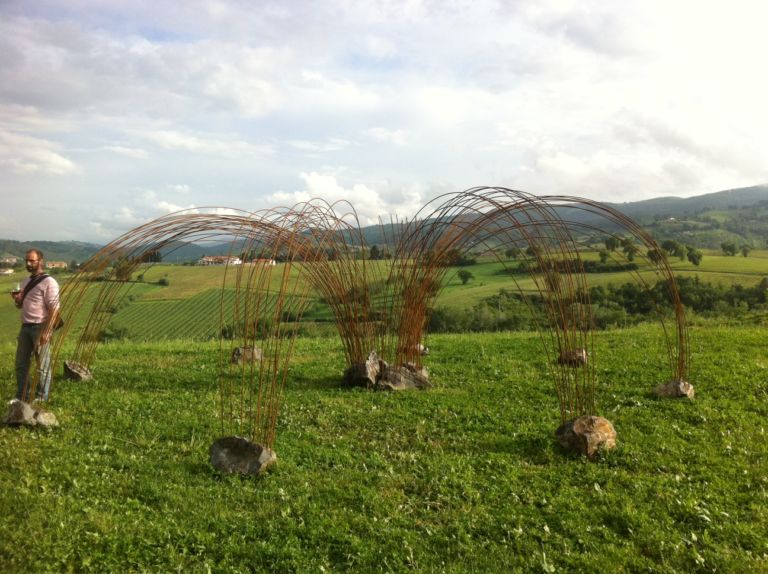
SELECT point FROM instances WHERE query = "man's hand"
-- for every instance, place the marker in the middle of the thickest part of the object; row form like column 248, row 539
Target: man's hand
column 17, row 299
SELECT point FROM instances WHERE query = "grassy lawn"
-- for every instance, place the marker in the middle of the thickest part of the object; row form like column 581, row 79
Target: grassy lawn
column 465, row 477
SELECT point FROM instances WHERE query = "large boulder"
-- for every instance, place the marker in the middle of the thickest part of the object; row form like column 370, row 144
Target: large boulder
column 21, row 413
column 676, row 388
column 587, row 435
column 234, row 454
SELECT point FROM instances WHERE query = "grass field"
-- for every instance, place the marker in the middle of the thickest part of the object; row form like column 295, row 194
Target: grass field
column 465, row 477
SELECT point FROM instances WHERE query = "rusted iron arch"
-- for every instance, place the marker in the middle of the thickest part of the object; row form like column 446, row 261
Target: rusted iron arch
column 131, row 247
column 679, row 353
column 460, row 222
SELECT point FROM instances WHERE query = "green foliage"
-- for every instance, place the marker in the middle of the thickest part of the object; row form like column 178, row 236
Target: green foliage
column 728, row 247
column 611, row 243
column 465, row 276
column 694, row 255
column 463, row 478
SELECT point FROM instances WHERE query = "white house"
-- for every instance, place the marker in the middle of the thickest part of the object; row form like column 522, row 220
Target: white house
column 219, row 260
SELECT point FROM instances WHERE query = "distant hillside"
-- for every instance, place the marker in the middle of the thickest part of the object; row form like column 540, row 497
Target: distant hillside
column 737, row 215
column 734, row 215
column 53, row 250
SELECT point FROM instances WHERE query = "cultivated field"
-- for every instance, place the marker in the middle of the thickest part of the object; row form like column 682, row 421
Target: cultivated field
column 191, row 303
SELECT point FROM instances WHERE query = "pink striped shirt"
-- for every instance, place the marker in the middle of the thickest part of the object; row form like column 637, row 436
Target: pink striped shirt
column 41, row 301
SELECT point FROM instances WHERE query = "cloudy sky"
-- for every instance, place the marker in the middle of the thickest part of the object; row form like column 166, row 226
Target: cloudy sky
column 113, row 113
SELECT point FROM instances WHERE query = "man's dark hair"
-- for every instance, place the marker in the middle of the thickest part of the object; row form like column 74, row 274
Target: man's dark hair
column 37, row 252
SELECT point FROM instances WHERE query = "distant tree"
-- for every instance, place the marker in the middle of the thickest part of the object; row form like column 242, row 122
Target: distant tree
column 656, row 255
column 745, row 249
column 729, row 248
column 532, row 251
column 611, row 243
column 465, row 276
column 72, row 266
column 629, row 248
column 674, row 248
column 513, row 252
column 603, row 253
column 375, row 253
column 694, row 255
column 122, row 270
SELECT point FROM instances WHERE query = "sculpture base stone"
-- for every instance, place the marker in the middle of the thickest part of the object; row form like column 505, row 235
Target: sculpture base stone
column 238, row 455
column 378, row 375
column 675, row 389
column 74, row 371
column 587, row 435
column 23, row 414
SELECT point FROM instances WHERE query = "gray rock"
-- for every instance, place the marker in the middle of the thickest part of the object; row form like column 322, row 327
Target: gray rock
column 675, row 389
column 75, row 371
column 21, row 413
column 234, row 454
column 573, row 357
column 364, row 374
column 46, row 418
column 377, row 374
column 403, row 377
column 246, row 355
column 587, row 435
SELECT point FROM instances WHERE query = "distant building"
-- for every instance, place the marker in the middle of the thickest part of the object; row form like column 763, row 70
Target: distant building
column 219, row 260
column 6, row 271
column 265, row 262
column 56, row 265
column 10, row 260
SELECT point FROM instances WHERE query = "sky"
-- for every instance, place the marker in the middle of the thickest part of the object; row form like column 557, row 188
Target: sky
column 113, row 113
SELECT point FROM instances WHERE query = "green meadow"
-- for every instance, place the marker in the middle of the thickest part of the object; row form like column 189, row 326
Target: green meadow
column 464, row 477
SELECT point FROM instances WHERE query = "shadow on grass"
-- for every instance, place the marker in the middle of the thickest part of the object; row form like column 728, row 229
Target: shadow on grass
column 534, row 449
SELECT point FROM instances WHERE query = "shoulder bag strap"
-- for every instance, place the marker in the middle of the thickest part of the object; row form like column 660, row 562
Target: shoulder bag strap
column 31, row 285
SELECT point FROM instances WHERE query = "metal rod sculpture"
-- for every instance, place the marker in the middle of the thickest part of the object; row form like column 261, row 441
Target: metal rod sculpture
column 382, row 305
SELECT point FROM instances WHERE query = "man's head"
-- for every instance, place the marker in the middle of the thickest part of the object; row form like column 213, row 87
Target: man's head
column 34, row 261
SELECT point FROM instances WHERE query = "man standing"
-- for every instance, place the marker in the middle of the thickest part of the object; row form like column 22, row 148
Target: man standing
column 39, row 304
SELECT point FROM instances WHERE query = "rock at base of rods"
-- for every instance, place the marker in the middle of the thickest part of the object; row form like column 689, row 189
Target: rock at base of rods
column 377, row 374
column 573, row 357
column 238, row 455
column 23, row 414
column 587, row 435
column 675, row 389
column 75, row 371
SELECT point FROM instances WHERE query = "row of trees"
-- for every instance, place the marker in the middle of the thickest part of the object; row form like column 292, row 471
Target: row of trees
column 612, row 305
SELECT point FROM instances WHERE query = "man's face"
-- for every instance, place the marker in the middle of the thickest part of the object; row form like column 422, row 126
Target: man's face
column 33, row 263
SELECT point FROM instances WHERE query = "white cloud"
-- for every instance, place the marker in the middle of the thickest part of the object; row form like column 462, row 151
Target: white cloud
column 133, row 152
column 205, row 144
column 393, row 136
column 370, row 203
column 379, row 103
column 332, row 144
column 29, row 155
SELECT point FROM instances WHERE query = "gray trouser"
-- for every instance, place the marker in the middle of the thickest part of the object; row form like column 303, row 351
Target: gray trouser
column 26, row 346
